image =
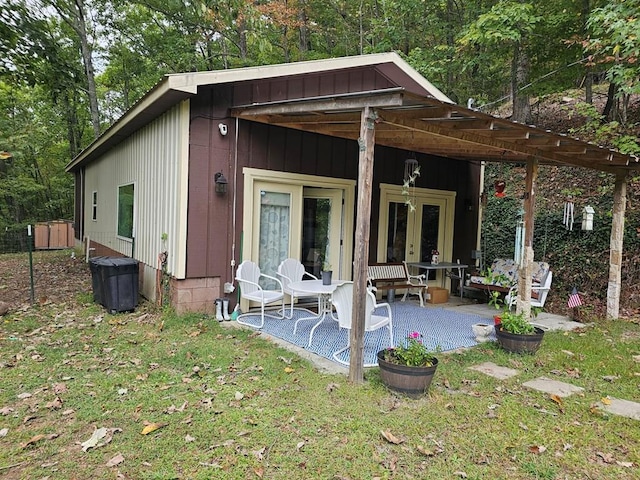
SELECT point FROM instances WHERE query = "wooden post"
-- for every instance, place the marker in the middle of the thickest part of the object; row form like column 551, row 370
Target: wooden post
column 524, row 281
column 366, row 144
column 615, row 245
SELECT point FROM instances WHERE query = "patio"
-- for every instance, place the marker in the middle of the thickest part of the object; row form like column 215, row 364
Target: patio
column 445, row 326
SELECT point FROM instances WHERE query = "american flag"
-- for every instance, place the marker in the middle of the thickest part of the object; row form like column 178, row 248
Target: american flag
column 574, row 299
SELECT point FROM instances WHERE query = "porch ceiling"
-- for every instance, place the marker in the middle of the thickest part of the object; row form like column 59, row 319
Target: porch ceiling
column 423, row 124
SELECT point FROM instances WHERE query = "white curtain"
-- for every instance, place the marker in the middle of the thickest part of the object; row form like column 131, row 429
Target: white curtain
column 275, row 213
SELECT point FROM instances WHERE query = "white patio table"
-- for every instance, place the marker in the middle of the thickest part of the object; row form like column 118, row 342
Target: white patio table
column 316, row 287
column 448, row 268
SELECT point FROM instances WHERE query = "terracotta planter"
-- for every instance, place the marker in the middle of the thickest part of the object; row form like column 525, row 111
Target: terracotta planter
column 411, row 381
column 519, row 343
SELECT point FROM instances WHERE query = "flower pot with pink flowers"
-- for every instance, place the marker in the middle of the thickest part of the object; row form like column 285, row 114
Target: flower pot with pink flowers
column 408, row 369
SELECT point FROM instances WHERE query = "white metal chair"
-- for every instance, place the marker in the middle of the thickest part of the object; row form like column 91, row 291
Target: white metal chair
column 248, row 276
column 292, row 270
column 342, row 300
column 417, row 284
column 541, row 290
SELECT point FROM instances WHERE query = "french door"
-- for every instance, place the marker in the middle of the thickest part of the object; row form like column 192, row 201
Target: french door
column 411, row 228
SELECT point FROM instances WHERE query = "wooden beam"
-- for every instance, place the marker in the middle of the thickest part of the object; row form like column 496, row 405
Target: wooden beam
column 324, row 105
column 366, row 144
column 523, row 303
column 615, row 245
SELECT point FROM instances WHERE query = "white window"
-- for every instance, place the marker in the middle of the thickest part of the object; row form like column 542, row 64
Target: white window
column 94, row 206
column 126, row 197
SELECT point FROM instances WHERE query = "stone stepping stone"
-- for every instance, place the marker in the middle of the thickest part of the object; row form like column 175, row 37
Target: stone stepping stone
column 553, row 387
column 624, row 408
column 495, row 371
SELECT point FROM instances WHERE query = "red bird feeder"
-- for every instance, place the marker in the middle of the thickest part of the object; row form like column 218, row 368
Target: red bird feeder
column 499, row 185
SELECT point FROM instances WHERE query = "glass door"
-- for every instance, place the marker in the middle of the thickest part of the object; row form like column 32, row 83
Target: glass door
column 412, row 234
column 278, row 225
column 321, row 230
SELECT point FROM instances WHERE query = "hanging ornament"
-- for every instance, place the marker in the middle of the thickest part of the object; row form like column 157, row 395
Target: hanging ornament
column 499, row 186
column 567, row 219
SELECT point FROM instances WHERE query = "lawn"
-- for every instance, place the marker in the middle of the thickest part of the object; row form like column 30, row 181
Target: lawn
column 151, row 395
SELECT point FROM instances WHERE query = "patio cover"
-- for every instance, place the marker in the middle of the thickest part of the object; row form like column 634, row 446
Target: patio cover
column 398, row 118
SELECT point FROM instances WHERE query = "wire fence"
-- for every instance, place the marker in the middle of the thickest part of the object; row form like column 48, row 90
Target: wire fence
column 45, row 262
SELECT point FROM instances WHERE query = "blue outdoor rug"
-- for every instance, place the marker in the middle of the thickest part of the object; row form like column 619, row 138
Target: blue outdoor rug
column 441, row 328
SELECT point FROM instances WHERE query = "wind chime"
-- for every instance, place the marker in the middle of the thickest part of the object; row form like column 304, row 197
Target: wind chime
column 411, row 173
column 567, row 218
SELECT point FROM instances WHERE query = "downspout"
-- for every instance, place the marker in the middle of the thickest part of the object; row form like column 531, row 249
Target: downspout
column 235, row 202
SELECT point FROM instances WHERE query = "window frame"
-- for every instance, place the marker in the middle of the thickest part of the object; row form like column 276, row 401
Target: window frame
column 120, row 233
column 94, row 205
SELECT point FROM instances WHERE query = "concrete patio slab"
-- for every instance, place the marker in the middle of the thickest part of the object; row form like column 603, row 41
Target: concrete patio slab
column 495, row 371
column 624, row 408
column 553, row 387
column 546, row 321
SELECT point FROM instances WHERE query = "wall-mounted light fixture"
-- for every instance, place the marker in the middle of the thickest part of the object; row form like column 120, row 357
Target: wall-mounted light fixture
column 221, row 183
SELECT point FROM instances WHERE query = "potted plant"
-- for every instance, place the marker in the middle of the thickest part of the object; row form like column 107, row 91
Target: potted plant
column 326, row 273
column 496, row 301
column 515, row 333
column 408, row 369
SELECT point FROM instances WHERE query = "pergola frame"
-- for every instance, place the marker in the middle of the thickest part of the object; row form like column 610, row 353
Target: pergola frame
column 398, row 118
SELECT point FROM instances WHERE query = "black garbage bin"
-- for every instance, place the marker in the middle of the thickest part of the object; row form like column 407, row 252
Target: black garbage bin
column 115, row 283
column 95, row 265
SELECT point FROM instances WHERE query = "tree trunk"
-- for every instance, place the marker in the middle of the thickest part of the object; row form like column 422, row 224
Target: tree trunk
column 73, row 13
column 610, row 111
column 588, row 78
column 519, row 76
column 304, row 44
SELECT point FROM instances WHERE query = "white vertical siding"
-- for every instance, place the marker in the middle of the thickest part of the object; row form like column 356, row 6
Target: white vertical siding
column 155, row 159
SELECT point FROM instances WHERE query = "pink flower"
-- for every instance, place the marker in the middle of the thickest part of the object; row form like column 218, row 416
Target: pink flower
column 414, row 335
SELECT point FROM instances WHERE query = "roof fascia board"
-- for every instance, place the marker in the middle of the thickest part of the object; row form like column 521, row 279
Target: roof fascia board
column 189, row 82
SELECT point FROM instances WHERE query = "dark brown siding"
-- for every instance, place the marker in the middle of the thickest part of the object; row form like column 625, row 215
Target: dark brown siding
column 210, row 216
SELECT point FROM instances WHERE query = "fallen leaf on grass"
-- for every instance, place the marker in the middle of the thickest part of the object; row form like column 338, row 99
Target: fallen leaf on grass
column 99, row 438
column 610, row 378
column 332, row 386
column 605, row 401
column 556, row 399
column 152, row 427
column 537, row 449
column 117, row 460
column 624, row 464
column 259, row 471
column 189, row 438
column 461, row 474
column 606, row 457
column 425, row 451
column 289, row 370
column 24, row 395
column 37, row 438
column 4, row 432
column 5, row 411
column 390, row 437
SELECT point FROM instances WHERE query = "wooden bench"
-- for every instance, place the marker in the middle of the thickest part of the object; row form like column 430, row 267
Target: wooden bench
column 392, row 276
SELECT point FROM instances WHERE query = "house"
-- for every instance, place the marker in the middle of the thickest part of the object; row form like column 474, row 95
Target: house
column 264, row 163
